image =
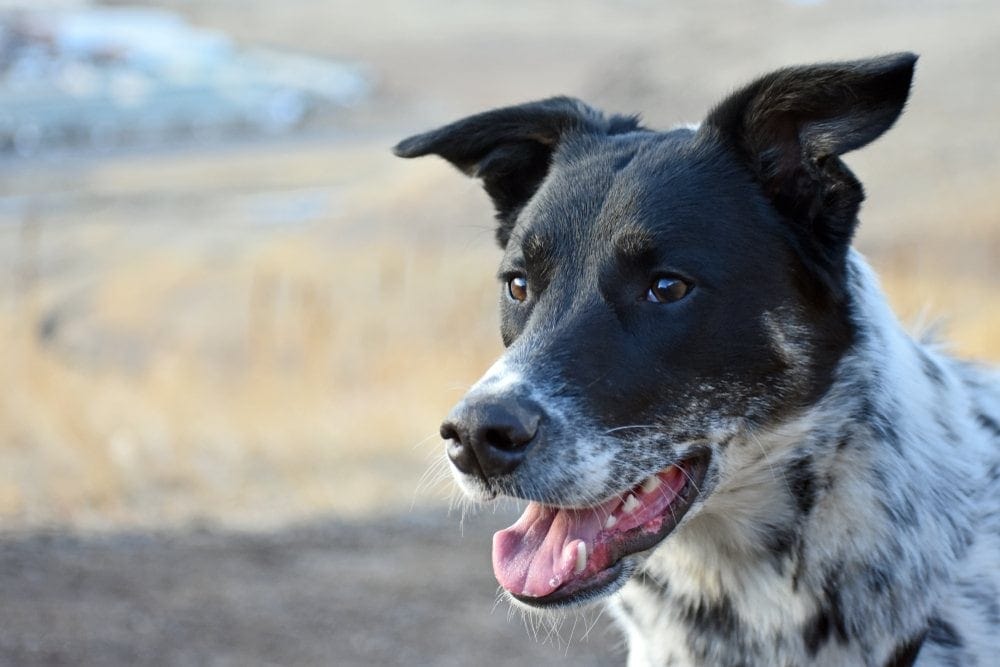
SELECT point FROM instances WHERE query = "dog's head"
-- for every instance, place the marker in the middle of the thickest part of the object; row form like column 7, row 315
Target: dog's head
column 661, row 293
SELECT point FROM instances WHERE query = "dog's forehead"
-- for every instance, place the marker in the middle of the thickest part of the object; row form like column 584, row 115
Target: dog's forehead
column 603, row 192
column 612, row 166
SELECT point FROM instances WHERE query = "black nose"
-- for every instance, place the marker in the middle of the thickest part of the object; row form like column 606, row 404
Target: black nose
column 490, row 436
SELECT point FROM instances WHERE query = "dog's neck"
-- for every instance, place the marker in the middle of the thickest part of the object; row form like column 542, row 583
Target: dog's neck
column 829, row 538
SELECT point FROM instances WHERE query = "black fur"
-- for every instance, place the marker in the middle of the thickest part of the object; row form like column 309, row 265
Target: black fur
column 943, row 633
column 906, row 654
column 828, row 623
column 510, row 149
column 792, row 125
column 989, row 424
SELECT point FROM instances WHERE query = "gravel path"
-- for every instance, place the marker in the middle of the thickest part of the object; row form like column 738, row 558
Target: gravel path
column 408, row 590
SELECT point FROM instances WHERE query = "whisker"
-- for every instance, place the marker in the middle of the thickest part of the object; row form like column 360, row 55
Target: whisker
column 435, row 475
column 689, row 478
column 500, row 597
column 597, row 618
column 572, row 631
column 425, row 440
column 753, row 436
column 630, row 427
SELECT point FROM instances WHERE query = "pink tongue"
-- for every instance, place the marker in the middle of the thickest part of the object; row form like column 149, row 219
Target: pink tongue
column 539, row 552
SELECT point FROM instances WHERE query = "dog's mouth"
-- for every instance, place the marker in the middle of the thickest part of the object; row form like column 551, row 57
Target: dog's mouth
column 556, row 556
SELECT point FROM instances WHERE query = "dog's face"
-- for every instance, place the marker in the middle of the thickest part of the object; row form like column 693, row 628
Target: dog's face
column 661, row 293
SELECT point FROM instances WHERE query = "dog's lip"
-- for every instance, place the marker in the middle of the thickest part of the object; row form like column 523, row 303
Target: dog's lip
column 604, row 583
column 607, row 549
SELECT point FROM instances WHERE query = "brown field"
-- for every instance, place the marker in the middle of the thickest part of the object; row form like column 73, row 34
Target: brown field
column 255, row 334
column 268, row 331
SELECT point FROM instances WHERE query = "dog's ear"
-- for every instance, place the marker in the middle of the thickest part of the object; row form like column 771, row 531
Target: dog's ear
column 510, row 148
column 790, row 126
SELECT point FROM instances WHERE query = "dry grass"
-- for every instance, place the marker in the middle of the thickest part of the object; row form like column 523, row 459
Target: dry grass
column 264, row 333
column 245, row 374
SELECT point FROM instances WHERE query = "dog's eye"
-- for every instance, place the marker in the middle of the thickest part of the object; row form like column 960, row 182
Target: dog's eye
column 517, row 288
column 667, row 290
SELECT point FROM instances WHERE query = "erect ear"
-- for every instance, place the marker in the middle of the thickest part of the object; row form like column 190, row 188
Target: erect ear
column 510, row 148
column 790, row 126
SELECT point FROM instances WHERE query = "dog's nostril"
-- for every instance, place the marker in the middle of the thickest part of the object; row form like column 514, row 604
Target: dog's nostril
column 449, row 432
column 496, row 438
column 508, row 439
column 459, row 451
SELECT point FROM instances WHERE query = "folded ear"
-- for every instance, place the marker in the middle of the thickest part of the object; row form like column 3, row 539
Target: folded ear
column 510, row 148
column 790, row 126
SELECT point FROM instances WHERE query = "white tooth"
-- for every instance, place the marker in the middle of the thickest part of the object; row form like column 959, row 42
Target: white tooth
column 610, row 521
column 581, row 557
column 651, row 484
column 630, row 504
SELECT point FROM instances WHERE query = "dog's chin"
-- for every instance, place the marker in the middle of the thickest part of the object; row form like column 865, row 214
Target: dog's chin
column 557, row 557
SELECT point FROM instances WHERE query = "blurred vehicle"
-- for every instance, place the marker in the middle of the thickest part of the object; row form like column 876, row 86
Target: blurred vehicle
column 98, row 78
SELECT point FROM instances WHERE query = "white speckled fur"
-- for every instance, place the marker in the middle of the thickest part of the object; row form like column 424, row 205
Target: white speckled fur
column 953, row 550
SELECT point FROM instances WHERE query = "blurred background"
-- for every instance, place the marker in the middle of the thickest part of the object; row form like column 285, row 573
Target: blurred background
column 231, row 321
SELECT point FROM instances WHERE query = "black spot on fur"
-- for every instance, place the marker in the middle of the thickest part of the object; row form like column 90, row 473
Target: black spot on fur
column 931, row 368
column 786, row 539
column 800, row 565
column 780, row 542
column 802, row 483
column 943, row 633
column 901, row 511
column 949, row 432
column 906, row 654
column 881, row 424
column 993, row 472
column 878, row 579
column 714, row 618
column 988, row 423
column 828, row 622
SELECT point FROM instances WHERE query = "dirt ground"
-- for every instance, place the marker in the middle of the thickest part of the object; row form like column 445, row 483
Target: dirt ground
column 410, row 590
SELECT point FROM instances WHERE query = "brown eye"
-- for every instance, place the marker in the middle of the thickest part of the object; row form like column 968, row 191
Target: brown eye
column 517, row 288
column 667, row 290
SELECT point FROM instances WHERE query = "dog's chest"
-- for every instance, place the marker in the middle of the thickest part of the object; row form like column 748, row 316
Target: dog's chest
column 681, row 612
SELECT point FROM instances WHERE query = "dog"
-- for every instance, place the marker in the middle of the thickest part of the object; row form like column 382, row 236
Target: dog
column 719, row 426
